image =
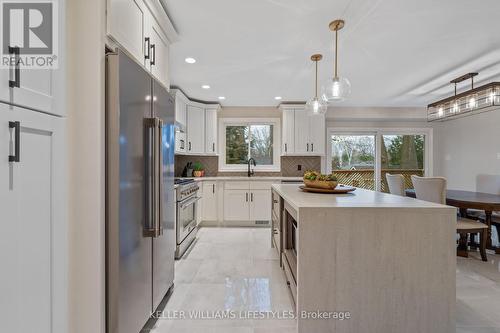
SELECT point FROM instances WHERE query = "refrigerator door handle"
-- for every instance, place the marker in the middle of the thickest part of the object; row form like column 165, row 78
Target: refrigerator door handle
column 152, row 183
column 159, row 197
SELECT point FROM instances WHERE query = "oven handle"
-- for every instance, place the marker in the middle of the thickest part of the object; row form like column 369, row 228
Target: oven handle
column 189, row 202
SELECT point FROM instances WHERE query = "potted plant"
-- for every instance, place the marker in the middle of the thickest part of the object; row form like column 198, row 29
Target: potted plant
column 317, row 180
column 198, row 170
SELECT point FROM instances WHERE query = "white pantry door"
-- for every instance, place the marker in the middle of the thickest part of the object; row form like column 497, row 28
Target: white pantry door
column 33, row 238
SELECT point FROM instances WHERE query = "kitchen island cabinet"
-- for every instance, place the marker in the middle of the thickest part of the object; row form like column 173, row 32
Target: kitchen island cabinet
column 385, row 262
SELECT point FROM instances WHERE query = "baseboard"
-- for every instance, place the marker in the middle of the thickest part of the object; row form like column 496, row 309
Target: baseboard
column 228, row 224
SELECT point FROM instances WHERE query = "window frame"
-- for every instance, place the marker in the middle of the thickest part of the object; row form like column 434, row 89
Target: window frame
column 224, row 122
column 378, row 133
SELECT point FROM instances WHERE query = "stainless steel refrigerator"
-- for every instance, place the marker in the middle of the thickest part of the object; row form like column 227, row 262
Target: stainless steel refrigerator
column 140, row 206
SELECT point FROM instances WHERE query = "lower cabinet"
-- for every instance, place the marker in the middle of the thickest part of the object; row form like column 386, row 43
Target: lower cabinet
column 236, row 207
column 33, row 240
column 209, row 207
column 247, row 201
column 260, row 205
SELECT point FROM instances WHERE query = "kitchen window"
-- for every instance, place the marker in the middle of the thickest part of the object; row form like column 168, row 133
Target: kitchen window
column 242, row 139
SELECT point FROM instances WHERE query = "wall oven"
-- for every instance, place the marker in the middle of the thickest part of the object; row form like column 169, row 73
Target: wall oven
column 187, row 208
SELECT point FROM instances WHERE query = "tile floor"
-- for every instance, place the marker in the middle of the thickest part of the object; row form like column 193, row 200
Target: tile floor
column 235, row 269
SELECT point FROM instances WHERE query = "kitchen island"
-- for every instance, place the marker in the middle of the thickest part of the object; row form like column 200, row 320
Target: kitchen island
column 366, row 262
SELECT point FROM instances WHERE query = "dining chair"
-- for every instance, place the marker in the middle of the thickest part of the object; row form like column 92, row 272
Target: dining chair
column 433, row 189
column 396, row 184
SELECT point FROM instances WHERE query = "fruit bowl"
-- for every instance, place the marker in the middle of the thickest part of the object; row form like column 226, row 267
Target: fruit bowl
column 326, row 184
column 317, row 180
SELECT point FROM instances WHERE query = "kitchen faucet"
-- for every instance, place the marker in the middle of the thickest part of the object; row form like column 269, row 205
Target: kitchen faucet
column 251, row 161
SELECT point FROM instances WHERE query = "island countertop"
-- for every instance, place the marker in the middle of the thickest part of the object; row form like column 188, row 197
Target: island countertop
column 297, row 198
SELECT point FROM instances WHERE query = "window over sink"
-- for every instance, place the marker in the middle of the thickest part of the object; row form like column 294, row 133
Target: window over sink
column 242, row 139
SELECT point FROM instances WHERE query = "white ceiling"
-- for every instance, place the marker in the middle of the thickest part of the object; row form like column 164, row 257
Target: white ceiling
column 394, row 52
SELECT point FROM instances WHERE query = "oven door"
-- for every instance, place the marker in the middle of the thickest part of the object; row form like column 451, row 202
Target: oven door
column 186, row 217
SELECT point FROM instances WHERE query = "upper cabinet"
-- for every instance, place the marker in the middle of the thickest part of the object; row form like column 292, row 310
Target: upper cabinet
column 302, row 134
column 143, row 29
column 196, row 126
column 211, row 129
column 195, row 129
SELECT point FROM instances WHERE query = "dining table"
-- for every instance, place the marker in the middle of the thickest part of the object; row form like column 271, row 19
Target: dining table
column 464, row 200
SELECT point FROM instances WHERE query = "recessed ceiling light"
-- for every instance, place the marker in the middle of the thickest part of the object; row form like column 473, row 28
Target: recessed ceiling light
column 205, row 86
column 277, row 98
column 222, row 98
column 190, row 60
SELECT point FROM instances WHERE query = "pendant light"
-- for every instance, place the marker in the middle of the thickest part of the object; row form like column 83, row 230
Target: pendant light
column 316, row 105
column 337, row 88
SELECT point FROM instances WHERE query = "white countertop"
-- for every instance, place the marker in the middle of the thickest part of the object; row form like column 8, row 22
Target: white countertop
column 292, row 194
column 253, row 178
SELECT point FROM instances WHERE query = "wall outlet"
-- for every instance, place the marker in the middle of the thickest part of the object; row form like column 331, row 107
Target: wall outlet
column 299, row 167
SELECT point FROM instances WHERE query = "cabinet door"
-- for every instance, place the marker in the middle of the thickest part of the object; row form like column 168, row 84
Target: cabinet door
column 317, row 135
column 33, row 237
column 301, row 132
column 260, row 205
column 126, row 21
column 195, row 130
column 4, row 85
column 288, row 132
column 209, row 201
column 236, row 205
column 211, row 131
column 180, row 111
column 159, row 52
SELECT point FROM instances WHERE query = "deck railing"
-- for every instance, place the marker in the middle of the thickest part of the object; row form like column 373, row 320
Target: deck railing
column 366, row 178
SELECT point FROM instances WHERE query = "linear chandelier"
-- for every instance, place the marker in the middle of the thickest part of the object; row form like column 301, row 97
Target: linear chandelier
column 474, row 100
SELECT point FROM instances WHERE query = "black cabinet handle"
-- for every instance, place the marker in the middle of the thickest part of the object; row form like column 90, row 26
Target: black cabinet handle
column 189, row 145
column 17, row 129
column 285, row 148
column 246, row 197
column 153, row 57
column 213, row 188
column 213, row 147
column 17, row 72
column 307, row 147
column 312, row 146
column 251, row 197
column 147, row 46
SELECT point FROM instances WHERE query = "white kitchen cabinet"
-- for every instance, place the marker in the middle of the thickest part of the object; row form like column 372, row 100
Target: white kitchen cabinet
column 195, row 130
column 159, row 52
column 134, row 24
column 126, row 23
column 288, row 142
column 317, row 134
column 303, row 134
column 236, row 206
column 247, row 201
column 211, row 130
column 209, row 201
column 180, row 108
column 33, row 241
column 260, row 205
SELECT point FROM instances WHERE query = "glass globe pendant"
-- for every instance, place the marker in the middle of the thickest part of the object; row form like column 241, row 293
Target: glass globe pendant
column 316, row 105
column 337, row 88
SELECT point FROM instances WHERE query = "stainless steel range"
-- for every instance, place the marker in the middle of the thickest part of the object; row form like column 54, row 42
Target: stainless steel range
column 187, row 204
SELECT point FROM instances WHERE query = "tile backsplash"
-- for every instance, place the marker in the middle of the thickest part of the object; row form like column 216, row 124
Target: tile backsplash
column 289, row 166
